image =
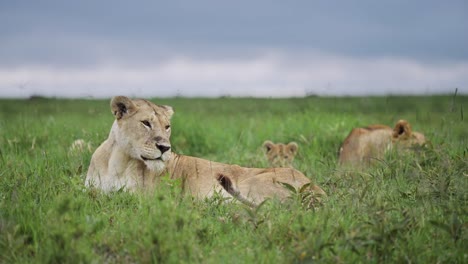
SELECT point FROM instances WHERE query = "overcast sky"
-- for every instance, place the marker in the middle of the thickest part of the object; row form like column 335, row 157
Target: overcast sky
column 236, row 48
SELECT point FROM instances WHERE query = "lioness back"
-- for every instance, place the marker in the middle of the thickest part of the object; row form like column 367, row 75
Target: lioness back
column 364, row 145
column 138, row 152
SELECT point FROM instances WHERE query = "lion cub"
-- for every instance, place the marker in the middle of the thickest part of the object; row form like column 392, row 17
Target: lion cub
column 367, row 144
column 280, row 155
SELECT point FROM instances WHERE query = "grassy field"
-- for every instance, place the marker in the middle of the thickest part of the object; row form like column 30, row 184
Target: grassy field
column 411, row 208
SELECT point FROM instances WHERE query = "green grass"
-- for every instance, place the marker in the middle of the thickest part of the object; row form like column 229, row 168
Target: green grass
column 410, row 208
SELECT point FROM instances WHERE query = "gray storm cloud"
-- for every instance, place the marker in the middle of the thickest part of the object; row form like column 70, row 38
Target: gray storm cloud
column 241, row 48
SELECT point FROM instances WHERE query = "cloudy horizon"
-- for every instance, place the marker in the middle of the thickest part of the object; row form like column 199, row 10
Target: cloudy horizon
column 209, row 48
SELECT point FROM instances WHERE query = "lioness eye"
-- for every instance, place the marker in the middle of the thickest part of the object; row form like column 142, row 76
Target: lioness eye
column 146, row 123
column 168, row 127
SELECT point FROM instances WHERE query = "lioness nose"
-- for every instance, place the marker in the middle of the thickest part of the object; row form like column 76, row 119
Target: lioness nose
column 163, row 148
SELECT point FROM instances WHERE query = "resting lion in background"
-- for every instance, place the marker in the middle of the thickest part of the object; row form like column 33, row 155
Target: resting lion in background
column 363, row 145
column 279, row 154
column 138, row 152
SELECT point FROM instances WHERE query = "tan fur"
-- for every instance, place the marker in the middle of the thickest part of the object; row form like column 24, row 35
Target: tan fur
column 131, row 159
column 365, row 145
column 280, row 155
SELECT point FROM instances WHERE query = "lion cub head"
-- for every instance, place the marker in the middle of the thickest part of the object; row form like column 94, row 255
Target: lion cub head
column 142, row 130
column 365, row 145
column 280, row 155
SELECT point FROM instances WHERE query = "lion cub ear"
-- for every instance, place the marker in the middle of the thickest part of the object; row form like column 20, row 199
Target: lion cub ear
column 402, row 129
column 292, row 146
column 121, row 105
column 268, row 145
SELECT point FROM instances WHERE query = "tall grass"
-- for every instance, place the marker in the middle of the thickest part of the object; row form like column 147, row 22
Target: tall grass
column 407, row 208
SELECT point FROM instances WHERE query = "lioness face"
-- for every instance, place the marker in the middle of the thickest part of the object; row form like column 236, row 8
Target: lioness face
column 143, row 131
column 280, row 155
column 403, row 137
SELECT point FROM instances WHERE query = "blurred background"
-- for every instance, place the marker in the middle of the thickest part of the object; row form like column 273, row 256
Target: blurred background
column 209, row 48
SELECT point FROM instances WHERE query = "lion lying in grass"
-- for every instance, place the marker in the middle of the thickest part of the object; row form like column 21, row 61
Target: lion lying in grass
column 280, row 155
column 138, row 152
column 365, row 145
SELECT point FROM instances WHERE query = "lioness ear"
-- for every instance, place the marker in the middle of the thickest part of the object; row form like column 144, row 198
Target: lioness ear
column 402, row 129
column 268, row 145
column 121, row 105
column 292, row 146
column 169, row 110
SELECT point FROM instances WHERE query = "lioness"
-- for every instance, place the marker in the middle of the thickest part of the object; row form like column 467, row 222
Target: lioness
column 363, row 145
column 138, row 152
column 280, row 155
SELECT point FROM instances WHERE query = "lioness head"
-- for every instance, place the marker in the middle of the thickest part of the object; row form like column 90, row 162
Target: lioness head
column 403, row 137
column 280, row 155
column 142, row 130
